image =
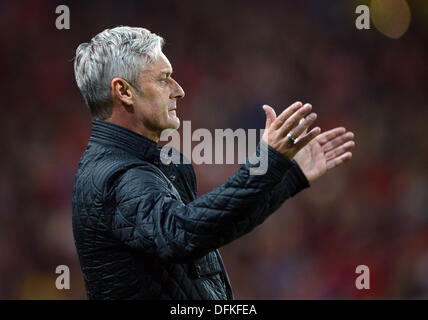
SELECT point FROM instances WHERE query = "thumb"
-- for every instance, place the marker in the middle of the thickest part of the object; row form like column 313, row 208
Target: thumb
column 270, row 115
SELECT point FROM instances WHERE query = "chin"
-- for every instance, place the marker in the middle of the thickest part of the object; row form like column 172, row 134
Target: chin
column 174, row 123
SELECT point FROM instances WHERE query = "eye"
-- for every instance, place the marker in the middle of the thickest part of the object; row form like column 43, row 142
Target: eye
column 165, row 78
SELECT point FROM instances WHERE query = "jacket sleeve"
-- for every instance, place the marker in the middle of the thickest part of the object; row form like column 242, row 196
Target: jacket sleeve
column 150, row 216
column 293, row 181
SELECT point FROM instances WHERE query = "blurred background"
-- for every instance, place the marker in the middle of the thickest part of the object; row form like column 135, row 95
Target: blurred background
column 231, row 57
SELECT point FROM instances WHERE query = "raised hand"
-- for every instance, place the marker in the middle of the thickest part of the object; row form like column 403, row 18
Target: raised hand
column 327, row 151
column 282, row 131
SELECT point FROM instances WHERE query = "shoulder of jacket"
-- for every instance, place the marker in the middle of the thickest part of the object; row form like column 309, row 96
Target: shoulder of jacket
column 100, row 166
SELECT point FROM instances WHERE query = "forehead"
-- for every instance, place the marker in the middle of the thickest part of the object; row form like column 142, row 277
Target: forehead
column 161, row 64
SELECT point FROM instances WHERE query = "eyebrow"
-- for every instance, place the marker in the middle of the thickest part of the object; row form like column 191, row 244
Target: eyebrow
column 166, row 72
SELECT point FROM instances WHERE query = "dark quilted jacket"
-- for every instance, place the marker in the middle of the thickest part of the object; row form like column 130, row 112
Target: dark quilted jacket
column 140, row 230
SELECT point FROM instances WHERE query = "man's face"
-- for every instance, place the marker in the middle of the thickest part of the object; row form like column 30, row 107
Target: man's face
column 155, row 105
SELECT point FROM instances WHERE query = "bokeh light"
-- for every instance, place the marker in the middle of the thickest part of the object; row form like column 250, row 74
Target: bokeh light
column 391, row 17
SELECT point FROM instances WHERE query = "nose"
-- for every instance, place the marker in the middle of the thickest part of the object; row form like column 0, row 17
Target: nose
column 177, row 92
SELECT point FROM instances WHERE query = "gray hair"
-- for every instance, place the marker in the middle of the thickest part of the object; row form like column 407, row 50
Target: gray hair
column 119, row 52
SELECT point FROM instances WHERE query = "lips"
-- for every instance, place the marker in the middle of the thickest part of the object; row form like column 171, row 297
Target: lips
column 172, row 112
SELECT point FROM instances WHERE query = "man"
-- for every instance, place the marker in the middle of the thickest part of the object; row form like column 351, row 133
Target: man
column 140, row 230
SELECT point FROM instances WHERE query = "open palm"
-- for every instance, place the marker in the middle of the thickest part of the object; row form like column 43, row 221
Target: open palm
column 326, row 151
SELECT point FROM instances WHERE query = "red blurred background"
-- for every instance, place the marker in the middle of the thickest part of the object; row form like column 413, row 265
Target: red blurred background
column 231, row 57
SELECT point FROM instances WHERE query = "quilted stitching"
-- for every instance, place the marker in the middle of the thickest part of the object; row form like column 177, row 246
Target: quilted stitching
column 140, row 235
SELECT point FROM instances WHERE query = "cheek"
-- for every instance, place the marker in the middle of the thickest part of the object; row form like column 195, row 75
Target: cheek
column 158, row 113
column 162, row 105
column 153, row 107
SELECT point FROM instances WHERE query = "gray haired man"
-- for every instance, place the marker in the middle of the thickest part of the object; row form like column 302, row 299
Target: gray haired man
column 140, row 230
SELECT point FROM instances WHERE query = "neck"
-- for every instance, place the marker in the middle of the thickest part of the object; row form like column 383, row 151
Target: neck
column 133, row 125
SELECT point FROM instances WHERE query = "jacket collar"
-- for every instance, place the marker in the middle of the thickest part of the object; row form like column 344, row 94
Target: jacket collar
column 111, row 134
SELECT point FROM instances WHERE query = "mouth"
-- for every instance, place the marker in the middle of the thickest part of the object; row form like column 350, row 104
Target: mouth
column 172, row 112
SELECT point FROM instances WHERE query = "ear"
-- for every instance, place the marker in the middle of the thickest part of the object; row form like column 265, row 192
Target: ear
column 122, row 91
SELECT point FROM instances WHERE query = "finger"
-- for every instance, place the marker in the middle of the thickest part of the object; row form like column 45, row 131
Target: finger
column 304, row 124
column 286, row 114
column 326, row 136
column 304, row 131
column 339, row 150
column 338, row 141
column 339, row 160
column 303, row 141
column 294, row 119
column 270, row 115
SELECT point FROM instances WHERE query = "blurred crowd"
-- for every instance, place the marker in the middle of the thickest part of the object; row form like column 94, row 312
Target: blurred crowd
column 231, row 57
